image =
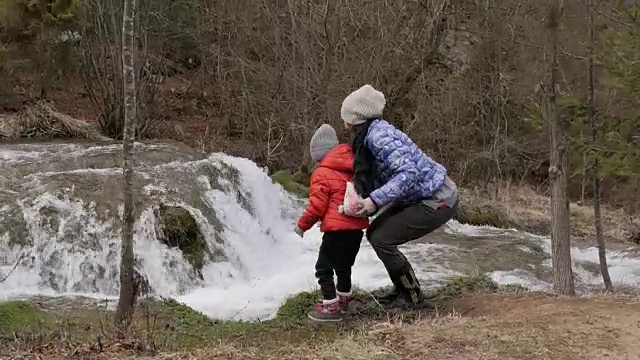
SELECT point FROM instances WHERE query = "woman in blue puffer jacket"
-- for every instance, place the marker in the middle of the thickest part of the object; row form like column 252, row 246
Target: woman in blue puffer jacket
column 393, row 174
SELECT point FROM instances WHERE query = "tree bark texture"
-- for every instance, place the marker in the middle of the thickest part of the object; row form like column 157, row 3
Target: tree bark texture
column 597, row 210
column 126, row 301
column 563, row 282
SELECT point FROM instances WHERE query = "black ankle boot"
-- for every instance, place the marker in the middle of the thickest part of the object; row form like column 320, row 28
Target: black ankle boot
column 408, row 287
column 389, row 296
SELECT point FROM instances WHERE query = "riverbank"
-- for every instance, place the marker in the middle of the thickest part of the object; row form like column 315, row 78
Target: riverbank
column 523, row 208
column 471, row 318
column 520, row 207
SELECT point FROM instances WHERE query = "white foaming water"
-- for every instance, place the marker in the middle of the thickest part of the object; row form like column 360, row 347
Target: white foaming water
column 274, row 266
column 266, row 260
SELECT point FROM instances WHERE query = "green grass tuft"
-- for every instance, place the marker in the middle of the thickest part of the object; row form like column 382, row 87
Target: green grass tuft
column 460, row 285
column 186, row 316
column 16, row 315
column 296, row 306
column 513, row 289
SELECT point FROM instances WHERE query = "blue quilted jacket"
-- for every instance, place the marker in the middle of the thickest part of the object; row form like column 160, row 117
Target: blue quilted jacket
column 408, row 175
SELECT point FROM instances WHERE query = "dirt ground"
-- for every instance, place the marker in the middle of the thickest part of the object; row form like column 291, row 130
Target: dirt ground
column 481, row 327
column 524, row 327
column 495, row 326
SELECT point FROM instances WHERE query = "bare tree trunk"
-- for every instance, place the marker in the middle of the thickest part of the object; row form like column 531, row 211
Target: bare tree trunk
column 563, row 283
column 126, row 302
column 602, row 253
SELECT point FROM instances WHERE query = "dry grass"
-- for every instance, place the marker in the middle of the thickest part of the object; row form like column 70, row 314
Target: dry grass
column 349, row 348
column 494, row 326
column 526, row 208
column 524, row 327
column 42, row 120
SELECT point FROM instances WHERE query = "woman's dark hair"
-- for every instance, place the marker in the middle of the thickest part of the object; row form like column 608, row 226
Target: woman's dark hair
column 364, row 165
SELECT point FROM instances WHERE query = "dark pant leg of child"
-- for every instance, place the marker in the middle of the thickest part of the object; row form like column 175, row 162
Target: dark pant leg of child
column 341, row 249
column 324, row 271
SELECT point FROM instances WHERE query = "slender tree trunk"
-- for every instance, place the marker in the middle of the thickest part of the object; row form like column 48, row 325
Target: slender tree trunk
column 126, row 302
column 602, row 253
column 563, row 283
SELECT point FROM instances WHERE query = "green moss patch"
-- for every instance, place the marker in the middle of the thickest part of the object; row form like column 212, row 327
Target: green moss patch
column 296, row 306
column 16, row 315
column 461, row 285
column 178, row 228
column 287, row 180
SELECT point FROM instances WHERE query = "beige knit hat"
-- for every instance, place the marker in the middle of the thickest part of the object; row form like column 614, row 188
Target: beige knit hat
column 361, row 105
column 323, row 141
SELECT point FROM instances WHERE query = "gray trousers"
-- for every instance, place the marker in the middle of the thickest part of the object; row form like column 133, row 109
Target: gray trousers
column 399, row 225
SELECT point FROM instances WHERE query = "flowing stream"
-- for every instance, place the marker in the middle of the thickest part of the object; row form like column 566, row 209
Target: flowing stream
column 60, row 218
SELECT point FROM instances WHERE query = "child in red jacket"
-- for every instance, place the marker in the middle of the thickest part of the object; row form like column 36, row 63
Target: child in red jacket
column 342, row 233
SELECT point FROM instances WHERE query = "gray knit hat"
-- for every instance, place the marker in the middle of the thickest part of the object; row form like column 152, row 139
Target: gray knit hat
column 322, row 141
column 361, row 105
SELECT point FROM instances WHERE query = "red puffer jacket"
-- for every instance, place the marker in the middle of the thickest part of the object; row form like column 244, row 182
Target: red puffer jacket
column 326, row 193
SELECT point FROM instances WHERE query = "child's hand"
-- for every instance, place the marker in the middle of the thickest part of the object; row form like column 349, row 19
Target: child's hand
column 298, row 231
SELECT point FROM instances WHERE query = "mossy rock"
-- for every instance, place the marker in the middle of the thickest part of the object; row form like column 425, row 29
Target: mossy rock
column 178, row 228
column 12, row 221
column 49, row 218
column 224, row 171
column 482, row 214
column 288, row 182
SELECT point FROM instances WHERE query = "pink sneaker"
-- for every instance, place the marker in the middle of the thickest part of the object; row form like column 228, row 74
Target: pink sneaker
column 344, row 299
column 328, row 311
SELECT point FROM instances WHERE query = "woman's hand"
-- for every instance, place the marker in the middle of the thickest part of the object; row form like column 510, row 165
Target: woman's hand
column 367, row 207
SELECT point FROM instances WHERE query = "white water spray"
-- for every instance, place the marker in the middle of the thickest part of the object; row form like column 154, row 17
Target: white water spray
column 78, row 252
